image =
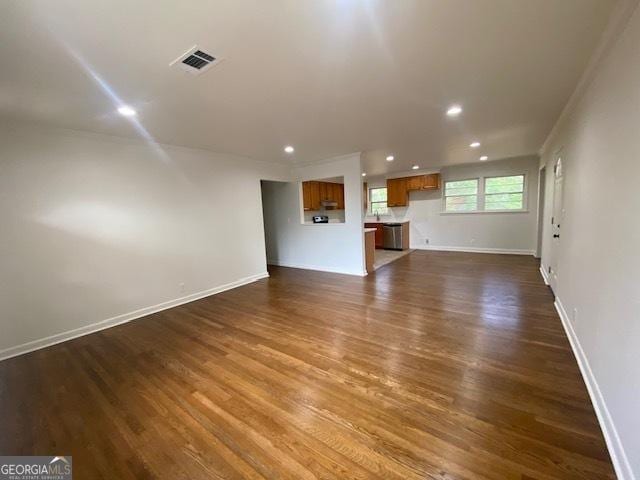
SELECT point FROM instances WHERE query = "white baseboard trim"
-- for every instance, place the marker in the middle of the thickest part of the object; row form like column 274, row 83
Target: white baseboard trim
column 318, row 268
column 501, row 251
column 616, row 449
column 545, row 277
column 120, row 319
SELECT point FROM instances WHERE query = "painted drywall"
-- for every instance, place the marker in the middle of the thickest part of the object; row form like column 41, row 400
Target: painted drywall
column 598, row 282
column 335, row 247
column 500, row 232
column 96, row 227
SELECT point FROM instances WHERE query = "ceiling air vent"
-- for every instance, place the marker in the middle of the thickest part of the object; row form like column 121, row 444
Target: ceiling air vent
column 195, row 61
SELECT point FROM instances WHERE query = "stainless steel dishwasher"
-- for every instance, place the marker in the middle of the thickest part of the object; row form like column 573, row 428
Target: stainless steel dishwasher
column 392, row 238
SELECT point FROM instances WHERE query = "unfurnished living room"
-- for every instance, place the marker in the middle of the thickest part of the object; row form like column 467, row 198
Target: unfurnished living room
column 320, row 239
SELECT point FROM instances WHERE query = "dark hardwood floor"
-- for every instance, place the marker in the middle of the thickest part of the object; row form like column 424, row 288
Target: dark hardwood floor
column 440, row 365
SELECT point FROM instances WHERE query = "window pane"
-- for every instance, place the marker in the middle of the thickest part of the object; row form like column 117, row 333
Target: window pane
column 461, row 187
column 379, row 194
column 454, row 192
column 464, row 203
column 379, row 208
column 504, row 201
column 512, row 184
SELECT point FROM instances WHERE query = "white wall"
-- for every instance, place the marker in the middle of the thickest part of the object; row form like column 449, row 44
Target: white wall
column 96, row 227
column 502, row 232
column 335, row 247
column 599, row 261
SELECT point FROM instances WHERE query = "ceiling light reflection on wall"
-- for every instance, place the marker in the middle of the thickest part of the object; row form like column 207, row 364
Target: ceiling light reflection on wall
column 483, row 158
column 474, row 144
column 289, row 149
column 390, row 158
column 415, row 167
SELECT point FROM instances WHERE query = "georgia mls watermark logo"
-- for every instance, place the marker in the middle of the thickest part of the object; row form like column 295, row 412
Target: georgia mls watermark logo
column 36, row 468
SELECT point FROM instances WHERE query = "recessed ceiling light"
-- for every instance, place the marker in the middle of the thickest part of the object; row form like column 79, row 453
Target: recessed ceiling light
column 415, row 167
column 390, row 158
column 454, row 110
column 483, row 158
column 364, row 174
column 474, row 144
column 289, row 149
column 126, row 111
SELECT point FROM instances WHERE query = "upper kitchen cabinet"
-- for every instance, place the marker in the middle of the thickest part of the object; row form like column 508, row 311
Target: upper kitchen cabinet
column 365, row 195
column 397, row 193
column 338, row 191
column 431, row 181
column 424, row 182
column 311, row 195
column 415, row 183
column 398, row 188
column 318, row 195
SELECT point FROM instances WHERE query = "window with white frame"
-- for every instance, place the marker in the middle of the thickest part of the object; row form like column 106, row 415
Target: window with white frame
column 378, row 201
column 504, row 193
column 461, row 195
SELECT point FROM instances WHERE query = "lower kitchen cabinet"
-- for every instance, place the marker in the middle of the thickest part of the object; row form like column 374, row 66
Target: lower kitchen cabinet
column 379, row 234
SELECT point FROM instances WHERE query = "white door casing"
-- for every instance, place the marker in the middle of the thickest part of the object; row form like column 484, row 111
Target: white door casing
column 557, row 216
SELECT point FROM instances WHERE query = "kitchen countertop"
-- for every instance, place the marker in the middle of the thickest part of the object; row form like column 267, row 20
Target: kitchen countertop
column 386, row 221
column 331, row 222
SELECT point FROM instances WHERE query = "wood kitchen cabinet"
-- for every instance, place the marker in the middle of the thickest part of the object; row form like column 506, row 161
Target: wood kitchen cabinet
column 424, row 182
column 431, row 181
column 365, row 195
column 398, row 188
column 311, row 195
column 379, row 233
column 306, row 195
column 314, row 193
column 415, row 183
column 397, row 193
column 339, row 193
column 324, row 195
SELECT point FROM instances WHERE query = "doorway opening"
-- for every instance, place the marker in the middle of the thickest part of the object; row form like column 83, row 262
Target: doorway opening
column 271, row 192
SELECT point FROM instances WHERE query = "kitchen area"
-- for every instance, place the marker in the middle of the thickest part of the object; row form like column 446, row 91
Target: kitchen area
column 323, row 201
column 385, row 242
column 388, row 240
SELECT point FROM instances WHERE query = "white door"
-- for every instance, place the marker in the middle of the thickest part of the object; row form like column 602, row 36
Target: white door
column 557, row 216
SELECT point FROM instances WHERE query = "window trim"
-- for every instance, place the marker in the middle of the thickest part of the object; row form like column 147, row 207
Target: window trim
column 481, row 195
column 444, row 196
column 370, row 202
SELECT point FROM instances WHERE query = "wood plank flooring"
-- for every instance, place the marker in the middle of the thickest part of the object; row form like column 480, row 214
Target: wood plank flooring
column 440, row 365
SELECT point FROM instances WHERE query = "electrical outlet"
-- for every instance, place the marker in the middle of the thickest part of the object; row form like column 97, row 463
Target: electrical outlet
column 575, row 315
column 473, row 240
column 181, row 287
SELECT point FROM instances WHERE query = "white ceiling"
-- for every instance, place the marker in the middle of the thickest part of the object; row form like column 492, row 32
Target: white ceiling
column 329, row 77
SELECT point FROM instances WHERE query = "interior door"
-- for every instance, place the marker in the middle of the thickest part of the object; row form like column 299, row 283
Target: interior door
column 557, row 216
